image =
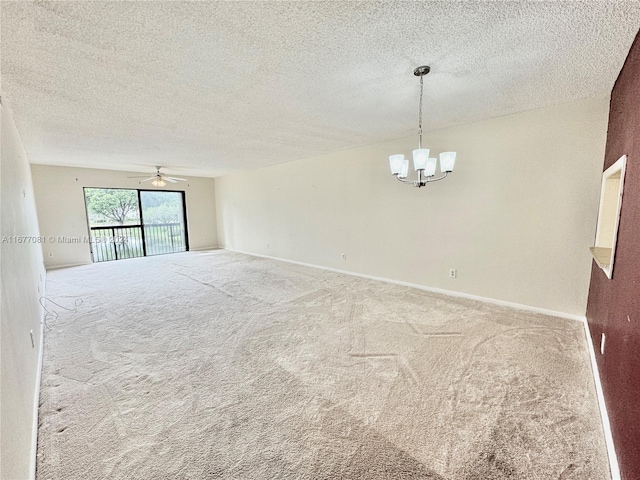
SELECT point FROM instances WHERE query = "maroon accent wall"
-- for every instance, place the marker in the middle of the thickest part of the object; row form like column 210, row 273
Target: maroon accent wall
column 614, row 305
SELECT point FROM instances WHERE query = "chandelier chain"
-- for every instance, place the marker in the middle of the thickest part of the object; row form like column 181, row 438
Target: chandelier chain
column 420, row 114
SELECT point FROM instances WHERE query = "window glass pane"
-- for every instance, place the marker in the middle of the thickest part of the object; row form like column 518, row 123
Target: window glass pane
column 163, row 217
column 114, row 223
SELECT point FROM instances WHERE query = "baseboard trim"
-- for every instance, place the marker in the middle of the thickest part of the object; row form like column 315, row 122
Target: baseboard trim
column 36, row 404
column 57, row 267
column 70, row 265
column 604, row 416
column 451, row 293
column 202, row 249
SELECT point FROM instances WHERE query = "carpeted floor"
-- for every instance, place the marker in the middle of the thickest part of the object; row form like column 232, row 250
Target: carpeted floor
column 222, row 365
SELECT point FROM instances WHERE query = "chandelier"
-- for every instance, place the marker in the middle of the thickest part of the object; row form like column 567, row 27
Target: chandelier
column 422, row 163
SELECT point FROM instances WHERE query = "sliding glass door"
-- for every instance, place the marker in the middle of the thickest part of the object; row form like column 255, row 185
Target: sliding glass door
column 163, row 221
column 126, row 223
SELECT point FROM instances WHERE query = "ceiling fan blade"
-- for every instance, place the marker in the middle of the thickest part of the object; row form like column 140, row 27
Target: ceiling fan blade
column 177, row 178
column 141, row 176
column 149, row 178
column 169, row 179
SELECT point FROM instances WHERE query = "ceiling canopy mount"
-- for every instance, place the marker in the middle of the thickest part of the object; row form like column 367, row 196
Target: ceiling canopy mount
column 421, row 71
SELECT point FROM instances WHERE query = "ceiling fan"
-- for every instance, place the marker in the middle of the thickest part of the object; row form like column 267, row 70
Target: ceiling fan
column 160, row 179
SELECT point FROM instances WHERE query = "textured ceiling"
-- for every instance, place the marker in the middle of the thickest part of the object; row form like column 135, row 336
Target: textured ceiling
column 208, row 88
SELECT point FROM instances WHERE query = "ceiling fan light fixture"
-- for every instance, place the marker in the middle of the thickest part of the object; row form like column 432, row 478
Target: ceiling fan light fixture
column 160, row 179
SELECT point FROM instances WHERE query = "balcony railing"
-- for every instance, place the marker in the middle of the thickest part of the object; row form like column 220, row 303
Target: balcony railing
column 128, row 241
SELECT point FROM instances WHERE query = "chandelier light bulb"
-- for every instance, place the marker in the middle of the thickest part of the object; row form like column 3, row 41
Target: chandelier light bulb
column 447, row 161
column 430, row 171
column 405, row 169
column 395, row 163
column 420, row 157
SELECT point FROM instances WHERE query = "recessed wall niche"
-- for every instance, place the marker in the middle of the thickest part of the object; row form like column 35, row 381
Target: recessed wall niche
column 604, row 250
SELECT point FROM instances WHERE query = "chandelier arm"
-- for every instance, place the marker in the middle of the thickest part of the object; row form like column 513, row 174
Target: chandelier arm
column 438, row 179
column 403, row 180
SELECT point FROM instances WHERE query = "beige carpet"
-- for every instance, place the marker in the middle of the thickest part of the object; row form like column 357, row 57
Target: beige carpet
column 222, row 365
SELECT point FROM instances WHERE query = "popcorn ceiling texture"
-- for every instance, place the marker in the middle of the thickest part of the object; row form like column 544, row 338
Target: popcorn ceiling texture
column 222, row 365
column 208, row 88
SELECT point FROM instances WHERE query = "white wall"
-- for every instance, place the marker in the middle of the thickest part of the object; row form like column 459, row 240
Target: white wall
column 516, row 217
column 61, row 209
column 22, row 279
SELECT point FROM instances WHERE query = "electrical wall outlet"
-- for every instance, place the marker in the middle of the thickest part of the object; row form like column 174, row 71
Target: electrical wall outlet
column 453, row 273
column 344, row 256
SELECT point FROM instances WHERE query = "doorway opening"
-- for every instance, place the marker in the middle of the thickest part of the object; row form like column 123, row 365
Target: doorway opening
column 128, row 223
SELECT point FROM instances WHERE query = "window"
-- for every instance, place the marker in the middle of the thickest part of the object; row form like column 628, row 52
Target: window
column 126, row 223
column 609, row 216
